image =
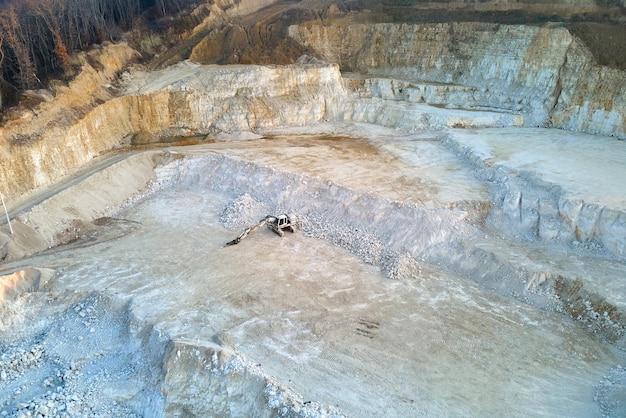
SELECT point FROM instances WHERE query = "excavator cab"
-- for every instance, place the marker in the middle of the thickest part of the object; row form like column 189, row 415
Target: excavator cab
column 282, row 221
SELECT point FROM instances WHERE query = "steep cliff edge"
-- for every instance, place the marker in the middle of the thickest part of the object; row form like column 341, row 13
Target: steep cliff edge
column 542, row 72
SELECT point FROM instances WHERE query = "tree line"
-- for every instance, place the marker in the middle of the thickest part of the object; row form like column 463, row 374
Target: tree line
column 38, row 36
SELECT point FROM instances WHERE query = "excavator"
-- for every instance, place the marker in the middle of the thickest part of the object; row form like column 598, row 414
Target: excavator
column 277, row 224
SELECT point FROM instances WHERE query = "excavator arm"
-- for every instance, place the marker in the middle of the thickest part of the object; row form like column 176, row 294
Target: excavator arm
column 250, row 230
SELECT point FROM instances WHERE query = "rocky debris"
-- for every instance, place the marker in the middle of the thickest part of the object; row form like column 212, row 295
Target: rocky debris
column 209, row 380
column 611, row 392
column 74, row 364
column 242, row 212
column 353, row 236
column 287, row 404
column 594, row 311
column 63, row 402
column 16, row 363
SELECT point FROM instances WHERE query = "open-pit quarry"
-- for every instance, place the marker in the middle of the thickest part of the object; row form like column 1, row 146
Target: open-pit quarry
column 460, row 247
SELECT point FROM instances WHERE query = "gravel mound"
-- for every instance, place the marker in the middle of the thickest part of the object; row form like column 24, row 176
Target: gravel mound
column 82, row 361
column 242, row 212
column 611, row 393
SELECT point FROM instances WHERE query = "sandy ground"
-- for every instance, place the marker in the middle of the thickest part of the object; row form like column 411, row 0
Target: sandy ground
column 152, row 316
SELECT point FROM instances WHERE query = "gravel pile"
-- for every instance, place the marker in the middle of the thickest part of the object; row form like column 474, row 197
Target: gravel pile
column 611, row 392
column 242, row 212
column 18, row 362
column 81, row 362
column 353, row 234
column 359, row 241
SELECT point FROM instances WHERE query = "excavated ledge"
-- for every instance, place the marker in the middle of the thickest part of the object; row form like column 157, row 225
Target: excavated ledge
column 543, row 73
column 537, row 198
column 397, row 237
column 229, row 369
column 400, row 235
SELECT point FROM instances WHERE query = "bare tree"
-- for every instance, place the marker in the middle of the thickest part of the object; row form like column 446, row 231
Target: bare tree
column 47, row 11
column 16, row 38
column 37, row 37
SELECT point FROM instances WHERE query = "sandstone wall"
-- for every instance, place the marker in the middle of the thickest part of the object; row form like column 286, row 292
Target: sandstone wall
column 592, row 98
column 197, row 100
column 211, row 98
column 542, row 72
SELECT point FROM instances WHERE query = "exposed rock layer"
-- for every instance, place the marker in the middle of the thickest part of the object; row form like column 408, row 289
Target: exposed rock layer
column 542, row 72
column 197, row 100
column 538, row 76
column 190, row 99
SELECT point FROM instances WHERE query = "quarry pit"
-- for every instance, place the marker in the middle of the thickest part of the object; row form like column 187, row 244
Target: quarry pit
column 461, row 246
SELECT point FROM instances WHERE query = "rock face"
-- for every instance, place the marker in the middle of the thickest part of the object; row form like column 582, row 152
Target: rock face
column 210, row 99
column 541, row 72
column 62, row 134
column 591, row 98
column 409, row 76
column 537, row 205
column 191, row 100
column 527, row 75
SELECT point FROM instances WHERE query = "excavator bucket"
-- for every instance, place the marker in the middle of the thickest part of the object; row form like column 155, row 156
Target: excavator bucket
column 248, row 231
column 233, row 242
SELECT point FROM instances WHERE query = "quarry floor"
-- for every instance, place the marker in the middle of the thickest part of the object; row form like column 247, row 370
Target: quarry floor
column 328, row 329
